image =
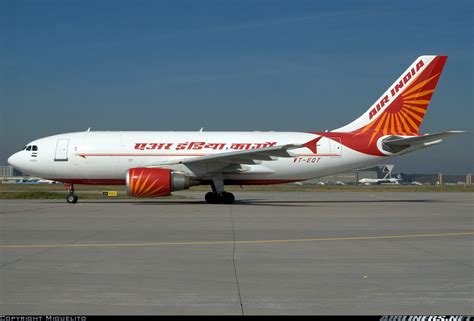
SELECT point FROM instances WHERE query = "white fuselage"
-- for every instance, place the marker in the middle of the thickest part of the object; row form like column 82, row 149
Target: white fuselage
column 104, row 157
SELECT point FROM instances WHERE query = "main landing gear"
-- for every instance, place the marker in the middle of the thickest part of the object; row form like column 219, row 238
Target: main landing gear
column 216, row 198
column 71, row 197
column 218, row 195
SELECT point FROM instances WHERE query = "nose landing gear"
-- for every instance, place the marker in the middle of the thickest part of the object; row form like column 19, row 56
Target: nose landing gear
column 71, row 197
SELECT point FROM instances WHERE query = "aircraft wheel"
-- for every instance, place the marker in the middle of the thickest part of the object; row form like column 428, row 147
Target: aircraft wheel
column 72, row 199
column 212, row 198
column 227, row 198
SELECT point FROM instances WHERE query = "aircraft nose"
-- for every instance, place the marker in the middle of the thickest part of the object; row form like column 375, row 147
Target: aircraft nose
column 14, row 160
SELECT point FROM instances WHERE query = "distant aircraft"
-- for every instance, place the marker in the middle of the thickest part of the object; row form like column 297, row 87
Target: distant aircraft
column 372, row 181
column 154, row 164
column 387, row 179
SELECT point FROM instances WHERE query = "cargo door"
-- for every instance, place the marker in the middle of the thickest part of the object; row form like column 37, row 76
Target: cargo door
column 322, row 147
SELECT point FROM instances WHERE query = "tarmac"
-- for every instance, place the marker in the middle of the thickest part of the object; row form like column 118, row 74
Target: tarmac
column 269, row 253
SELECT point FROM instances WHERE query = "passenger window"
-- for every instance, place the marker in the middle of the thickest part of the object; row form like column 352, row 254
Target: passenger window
column 28, row 148
column 35, row 148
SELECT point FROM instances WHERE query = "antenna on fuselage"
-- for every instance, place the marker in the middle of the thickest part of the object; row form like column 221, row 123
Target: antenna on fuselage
column 201, row 130
column 88, row 129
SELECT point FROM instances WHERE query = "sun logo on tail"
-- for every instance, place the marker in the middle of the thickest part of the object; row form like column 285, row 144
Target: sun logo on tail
column 404, row 114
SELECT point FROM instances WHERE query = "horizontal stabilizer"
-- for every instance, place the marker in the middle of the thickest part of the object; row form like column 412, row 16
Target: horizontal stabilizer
column 396, row 144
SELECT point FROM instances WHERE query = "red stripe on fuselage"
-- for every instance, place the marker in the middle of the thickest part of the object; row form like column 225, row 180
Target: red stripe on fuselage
column 163, row 155
column 139, row 154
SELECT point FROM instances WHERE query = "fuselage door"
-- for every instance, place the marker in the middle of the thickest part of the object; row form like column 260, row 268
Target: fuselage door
column 61, row 150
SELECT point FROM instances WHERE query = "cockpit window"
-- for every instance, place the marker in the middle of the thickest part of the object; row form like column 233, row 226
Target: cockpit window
column 35, row 148
column 28, row 148
column 23, row 148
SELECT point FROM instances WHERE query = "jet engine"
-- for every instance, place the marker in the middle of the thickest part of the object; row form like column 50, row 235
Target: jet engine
column 152, row 182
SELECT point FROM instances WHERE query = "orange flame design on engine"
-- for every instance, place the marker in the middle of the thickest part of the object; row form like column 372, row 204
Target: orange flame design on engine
column 143, row 183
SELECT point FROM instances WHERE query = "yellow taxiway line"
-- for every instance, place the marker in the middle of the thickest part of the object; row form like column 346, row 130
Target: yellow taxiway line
column 355, row 238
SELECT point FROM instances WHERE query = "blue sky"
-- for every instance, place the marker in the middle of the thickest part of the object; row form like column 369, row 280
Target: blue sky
column 229, row 65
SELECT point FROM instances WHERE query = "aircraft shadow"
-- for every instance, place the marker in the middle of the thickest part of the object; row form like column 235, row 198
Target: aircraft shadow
column 249, row 202
column 310, row 203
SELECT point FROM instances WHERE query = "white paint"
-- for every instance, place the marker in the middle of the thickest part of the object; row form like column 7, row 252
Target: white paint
column 110, row 154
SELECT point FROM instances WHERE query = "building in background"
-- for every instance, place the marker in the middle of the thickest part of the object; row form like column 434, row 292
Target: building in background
column 8, row 173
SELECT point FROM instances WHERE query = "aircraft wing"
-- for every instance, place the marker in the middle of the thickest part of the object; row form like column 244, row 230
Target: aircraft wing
column 396, row 144
column 251, row 156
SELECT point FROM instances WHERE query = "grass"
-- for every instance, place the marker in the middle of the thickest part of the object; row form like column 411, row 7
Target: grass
column 43, row 195
column 57, row 191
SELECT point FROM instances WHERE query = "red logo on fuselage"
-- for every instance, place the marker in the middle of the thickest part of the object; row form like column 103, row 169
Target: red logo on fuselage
column 202, row 145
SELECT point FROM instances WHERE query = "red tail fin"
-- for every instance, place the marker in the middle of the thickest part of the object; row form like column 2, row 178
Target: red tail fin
column 400, row 110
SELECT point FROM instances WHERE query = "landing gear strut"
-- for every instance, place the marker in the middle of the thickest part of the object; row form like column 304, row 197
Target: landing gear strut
column 71, row 197
column 218, row 195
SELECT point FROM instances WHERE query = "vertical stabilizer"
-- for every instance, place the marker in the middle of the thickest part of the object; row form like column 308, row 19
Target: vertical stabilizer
column 400, row 110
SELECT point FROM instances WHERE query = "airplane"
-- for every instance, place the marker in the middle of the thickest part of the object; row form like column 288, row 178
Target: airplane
column 387, row 178
column 154, row 163
column 371, row 181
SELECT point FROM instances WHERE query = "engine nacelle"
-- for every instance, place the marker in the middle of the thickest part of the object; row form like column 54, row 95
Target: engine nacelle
column 152, row 182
